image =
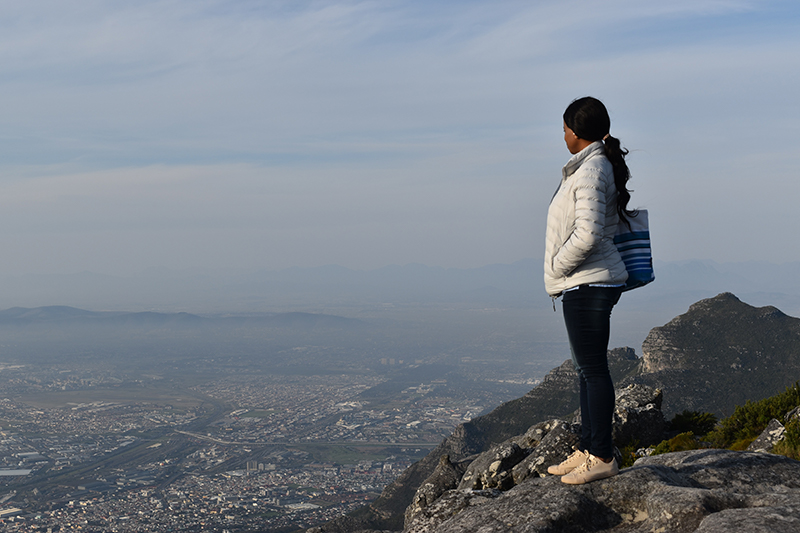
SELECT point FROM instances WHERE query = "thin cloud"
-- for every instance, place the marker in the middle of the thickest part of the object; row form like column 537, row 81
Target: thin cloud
column 365, row 133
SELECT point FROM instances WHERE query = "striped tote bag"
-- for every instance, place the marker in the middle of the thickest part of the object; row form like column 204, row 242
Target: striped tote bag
column 633, row 244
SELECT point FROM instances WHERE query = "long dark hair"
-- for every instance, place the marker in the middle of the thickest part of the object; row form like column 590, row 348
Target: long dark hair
column 589, row 119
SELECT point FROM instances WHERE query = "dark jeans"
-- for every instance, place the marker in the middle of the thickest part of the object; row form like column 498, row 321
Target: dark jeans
column 587, row 315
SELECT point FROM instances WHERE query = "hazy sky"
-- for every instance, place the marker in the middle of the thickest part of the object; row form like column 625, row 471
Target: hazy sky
column 267, row 134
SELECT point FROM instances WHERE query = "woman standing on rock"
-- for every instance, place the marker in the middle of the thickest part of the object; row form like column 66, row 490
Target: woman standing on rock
column 584, row 267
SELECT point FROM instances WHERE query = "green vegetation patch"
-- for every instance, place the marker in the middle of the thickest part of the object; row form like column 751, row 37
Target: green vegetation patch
column 749, row 420
column 693, row 421
column 738, row 431
column 679, row 443
column 628, row 454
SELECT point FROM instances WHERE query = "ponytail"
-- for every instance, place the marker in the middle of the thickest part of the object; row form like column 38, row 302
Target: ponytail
column 588, row 118
column 616, row 156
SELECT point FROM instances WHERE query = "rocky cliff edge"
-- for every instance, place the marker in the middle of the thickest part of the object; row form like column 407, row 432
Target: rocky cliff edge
column 702, row 491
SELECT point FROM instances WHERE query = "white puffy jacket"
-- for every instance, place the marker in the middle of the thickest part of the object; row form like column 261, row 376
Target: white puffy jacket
column 581, row 223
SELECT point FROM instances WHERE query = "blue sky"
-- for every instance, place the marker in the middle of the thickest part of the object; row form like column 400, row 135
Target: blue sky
column 248, row 135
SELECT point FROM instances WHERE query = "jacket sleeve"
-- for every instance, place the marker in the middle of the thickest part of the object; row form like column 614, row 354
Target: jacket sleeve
column 587, row 231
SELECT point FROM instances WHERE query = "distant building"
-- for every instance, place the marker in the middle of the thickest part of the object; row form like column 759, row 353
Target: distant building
column 302, row 506
column 19, row 472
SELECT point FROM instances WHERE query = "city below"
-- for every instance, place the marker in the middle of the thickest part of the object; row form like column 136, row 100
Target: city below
column 84, row 450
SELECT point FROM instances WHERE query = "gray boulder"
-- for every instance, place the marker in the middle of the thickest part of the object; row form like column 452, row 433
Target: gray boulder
column 753, row 520
column 700, row 490
column 772, row 435
column 446, row 476
column 492, row 469
column 638, row 416
column 539, row 432
column 794, row 414
column 451, row 503
column 554, row 447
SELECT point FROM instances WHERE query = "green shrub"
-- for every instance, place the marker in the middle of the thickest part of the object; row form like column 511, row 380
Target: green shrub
column 741, row 444
column 750, row 419
column 628, row 454
column 678, row 443
column 793, row 432
column 737, row 432
column 698, row 423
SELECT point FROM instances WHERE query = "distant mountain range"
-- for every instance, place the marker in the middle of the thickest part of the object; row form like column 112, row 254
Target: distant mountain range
column 71, row 316
column 678, row 284
column 407, row 289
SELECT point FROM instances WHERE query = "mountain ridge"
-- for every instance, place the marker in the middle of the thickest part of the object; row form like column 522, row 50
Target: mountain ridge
column 67, row 315
column 720, row 354
column 519, row 282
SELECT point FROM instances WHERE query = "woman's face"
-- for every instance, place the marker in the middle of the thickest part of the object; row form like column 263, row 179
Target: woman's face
column 574, row 144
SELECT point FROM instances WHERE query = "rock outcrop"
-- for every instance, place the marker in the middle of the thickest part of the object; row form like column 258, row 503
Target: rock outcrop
column 446, row 476
column 719, row 354
column 704, row 491
column 774, row 433
column 638, row 416
column 511, row 462
column 557, row 441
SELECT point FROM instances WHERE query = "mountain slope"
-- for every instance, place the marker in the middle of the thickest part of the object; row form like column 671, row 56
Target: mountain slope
column 719, row 354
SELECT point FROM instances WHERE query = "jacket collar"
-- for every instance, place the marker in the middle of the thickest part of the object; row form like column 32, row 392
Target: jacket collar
column 577, row 160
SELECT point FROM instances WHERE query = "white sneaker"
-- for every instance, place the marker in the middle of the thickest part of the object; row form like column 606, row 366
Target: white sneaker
column 593, row 469
column 569, row 464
